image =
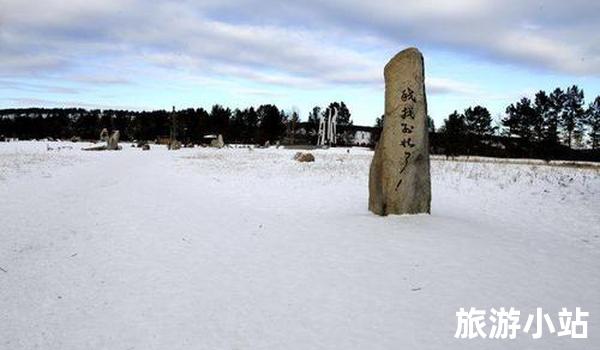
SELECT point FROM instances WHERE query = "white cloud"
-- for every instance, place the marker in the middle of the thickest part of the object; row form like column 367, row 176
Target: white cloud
column 28, row 102
column 449, row 86
column 287, row 43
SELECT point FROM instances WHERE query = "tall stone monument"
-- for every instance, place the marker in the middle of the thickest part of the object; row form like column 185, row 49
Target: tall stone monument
column 399, row 180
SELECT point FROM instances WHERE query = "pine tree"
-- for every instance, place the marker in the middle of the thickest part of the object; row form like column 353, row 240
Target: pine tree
column 552, row 119
column 292, row 125
column 219, row 119
column 376, row 135
column 250, row 133
column 379, row 121
column 520, row 119
column 478, row 121
column 542, row 107
column 236, row 126
column 272, row 124
column 454, row 131
column 573, row 118
column 593, row 121
column 430, row 124
column 343, row 117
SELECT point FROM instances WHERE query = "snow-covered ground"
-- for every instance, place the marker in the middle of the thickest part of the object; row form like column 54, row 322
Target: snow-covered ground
column 248, row 249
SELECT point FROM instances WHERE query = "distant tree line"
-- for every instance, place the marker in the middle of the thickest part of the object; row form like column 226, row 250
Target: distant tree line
column 553, row 125
column 249, row 125
column 556, row 125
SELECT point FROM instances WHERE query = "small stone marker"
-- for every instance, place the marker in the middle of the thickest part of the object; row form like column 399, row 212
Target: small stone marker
column 104, row 135
column 399, row 180
column 174, row 145
column 304, row 157
column 113, row 141
column 218, row 142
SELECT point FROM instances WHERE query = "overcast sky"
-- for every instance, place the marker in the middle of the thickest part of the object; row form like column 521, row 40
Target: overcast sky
column 154, row 54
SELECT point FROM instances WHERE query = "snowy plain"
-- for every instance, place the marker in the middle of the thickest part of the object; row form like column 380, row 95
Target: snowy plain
column 248, row 249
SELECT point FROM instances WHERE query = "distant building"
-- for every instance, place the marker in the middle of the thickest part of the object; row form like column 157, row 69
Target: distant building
column 356, row 135
column 363, row 135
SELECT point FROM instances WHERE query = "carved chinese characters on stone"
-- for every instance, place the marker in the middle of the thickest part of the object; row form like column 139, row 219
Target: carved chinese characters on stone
column 399, row 180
